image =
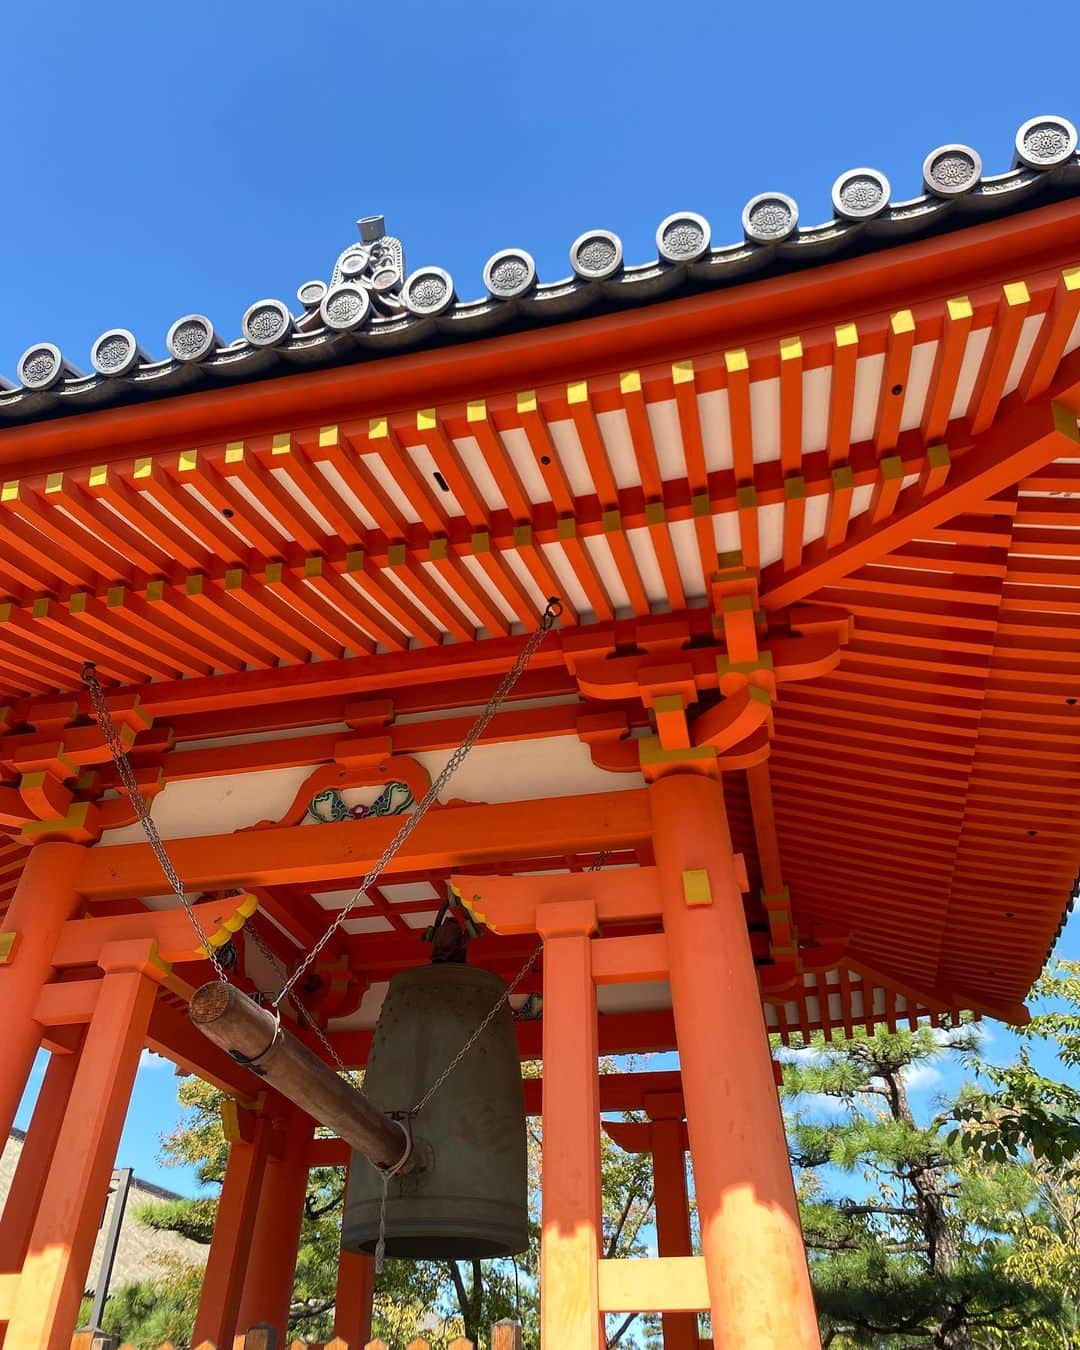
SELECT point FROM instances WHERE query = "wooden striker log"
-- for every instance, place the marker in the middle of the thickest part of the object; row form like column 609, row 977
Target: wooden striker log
column 246, row 1031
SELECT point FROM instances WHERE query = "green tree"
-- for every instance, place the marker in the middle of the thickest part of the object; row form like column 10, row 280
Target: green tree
column 1023, row 1116
column 908, row 1239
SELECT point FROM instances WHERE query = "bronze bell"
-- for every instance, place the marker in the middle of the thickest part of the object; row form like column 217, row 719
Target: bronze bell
column 470, row 1199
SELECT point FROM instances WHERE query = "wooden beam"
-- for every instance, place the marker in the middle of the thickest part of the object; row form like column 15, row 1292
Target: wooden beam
column 657, row 1284
column 81, row 940
column 450, row 837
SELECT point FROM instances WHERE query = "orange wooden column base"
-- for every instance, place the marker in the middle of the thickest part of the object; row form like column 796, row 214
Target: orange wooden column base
column 759, row 1286
column 570, row 1235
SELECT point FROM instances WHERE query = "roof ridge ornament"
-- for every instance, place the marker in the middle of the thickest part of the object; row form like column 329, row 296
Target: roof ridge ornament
column 376, row 263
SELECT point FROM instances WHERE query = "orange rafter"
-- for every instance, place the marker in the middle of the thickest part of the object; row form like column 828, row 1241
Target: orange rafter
column 461, row 584
column 894, row 378
column 791, row 404
column 533, row 421
column 413, row 577
column 68, row 492
column 532, row 556
column 656, row 521
column 117, row 615
column 288, row 455
column 160, row 612
column 383, row 440
column 223, row 497
column 842, row 391
column 637, row 419
column 1056, row 329
column 685, row 389
column 63, row 534
column 625, row 562
column 505, row 582
column 480, row 426
column 1012, row 310
column 948, row 360
column 27, row 556
column 737, row 366
column 433, row 434
column 275, row 621
column 155, row 484
column 353, row 604
column 365, row 574
column 585, row 569
column 306, row 601
column 583, row 417
column 244, row 466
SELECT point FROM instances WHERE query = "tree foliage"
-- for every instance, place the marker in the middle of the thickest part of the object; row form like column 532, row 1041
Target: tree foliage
column 957, row 1230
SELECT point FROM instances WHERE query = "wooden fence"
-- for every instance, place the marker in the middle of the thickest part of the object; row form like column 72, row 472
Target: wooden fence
column 505, row 1335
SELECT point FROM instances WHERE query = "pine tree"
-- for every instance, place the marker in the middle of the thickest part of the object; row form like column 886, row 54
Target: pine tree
column 915, row 1255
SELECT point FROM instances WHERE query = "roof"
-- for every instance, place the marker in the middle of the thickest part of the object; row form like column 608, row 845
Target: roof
column 876, row 437
column 369, row 307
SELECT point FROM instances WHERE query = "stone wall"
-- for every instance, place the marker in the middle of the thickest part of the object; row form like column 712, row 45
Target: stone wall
column 141, row 1251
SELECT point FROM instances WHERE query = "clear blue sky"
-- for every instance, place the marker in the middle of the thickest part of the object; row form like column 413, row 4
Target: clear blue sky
column 164, row 159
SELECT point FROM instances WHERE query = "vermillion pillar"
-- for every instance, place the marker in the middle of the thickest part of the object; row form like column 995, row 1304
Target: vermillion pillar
column 353, row 1300
column 44, row 899
column 62, row 1241
column 219, row 1302
column 35, row 1160
column 271, row 1260
column 759, row 1286
column 570, row 1237
column 668, row 1132
column 664, row 1137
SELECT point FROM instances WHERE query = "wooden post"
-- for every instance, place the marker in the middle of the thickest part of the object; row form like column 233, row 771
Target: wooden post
column 62, row 1240
column 243, row 1029
column 260, row 1338
column 32, row 1169
column 219, row 1301
column 759, row 1286
column 672, row 1214
column 664, row 1137
column 271, row 1258
column 353, row 1299
column 570, row 1317
column 506, row 1334
column 43, row 901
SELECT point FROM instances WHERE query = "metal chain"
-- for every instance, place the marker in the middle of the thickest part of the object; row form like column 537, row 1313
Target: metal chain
column 251, row 928
column 547, row 622
column 138, row 801
column 479, row 1031
column 127, row 776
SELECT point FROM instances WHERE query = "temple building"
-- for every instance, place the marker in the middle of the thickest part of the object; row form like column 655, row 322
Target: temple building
column 743, row 575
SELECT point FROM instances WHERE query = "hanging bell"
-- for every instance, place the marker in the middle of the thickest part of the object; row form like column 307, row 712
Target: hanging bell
column 471, row 1198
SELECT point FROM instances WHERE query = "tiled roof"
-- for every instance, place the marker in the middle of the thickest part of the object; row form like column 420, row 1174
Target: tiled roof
column 371, row 307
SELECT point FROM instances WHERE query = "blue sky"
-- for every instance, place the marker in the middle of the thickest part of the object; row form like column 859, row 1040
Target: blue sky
column 164, row 159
